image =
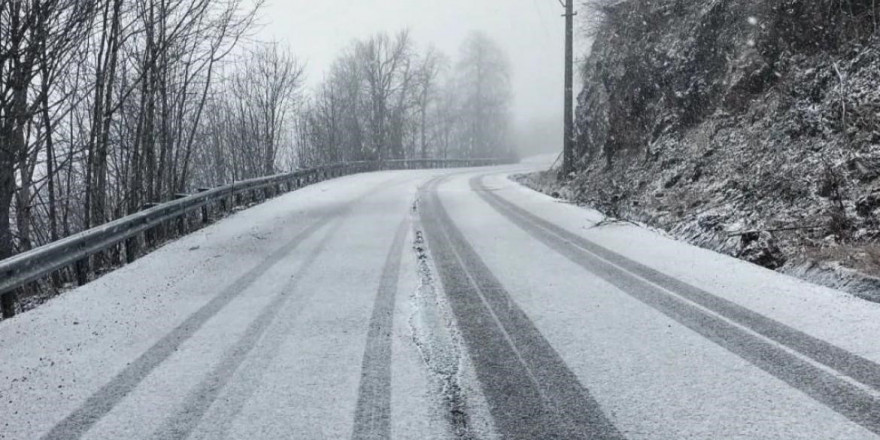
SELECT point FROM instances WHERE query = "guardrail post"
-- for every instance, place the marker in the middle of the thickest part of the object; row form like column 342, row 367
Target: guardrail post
column 81, row 267
column 131, row 249
column 254, row 196
column 206, row 214
column 150, row 234
column 181, row 221
column 7, row 304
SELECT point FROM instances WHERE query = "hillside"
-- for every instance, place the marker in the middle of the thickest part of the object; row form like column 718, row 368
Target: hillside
column 751, row 128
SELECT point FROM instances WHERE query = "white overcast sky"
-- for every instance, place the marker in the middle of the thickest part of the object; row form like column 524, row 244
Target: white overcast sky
column 531, row 31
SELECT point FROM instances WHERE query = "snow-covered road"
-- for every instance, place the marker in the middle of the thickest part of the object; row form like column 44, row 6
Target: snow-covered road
column 439, row 304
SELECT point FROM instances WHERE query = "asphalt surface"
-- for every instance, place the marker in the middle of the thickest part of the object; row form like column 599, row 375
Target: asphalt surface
column 442, row 304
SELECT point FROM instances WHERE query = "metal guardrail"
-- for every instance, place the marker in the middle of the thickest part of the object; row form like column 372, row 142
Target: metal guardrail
column 76, row 250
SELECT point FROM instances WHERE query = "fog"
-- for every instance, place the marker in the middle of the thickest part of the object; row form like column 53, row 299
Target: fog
column 530, row 31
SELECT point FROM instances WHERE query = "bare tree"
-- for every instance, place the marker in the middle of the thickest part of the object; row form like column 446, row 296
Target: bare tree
column 100, row 105
column 430, row 67
column 266, row 90
column 384, row 62
column 384, row 99
column 484, row 73
column 250, row 121
column 32, row 34
column 447, row 119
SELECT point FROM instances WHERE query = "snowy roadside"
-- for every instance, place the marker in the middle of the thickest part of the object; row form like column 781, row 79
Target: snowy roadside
column 825, row 269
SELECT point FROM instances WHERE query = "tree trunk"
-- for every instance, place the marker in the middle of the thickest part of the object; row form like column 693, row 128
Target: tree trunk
column 23, row 196
column 7, row 189
column 107, row 117
column 50, row 148
column 424, row 123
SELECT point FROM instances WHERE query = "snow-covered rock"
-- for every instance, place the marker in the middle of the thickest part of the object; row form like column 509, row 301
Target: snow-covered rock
column 713, row 118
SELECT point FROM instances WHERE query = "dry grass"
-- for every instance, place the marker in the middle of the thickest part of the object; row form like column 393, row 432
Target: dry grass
column 864, row 258
column 546, row 182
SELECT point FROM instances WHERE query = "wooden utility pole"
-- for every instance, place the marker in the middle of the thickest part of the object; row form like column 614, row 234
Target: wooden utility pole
column 568, row 148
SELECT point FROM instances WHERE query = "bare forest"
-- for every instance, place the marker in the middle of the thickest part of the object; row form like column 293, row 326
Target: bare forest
column 108, row 106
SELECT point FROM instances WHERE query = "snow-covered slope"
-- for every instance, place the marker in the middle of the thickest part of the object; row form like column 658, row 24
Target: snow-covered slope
column 750, row 127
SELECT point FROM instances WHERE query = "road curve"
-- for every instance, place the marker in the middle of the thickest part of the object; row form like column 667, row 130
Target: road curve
column 439, row 304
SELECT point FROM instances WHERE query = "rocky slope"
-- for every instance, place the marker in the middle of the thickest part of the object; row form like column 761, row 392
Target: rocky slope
column 750, row 127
